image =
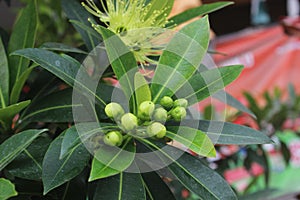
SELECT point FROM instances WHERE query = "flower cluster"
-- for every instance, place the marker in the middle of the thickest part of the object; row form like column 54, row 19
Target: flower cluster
column 149, row 122
column 135, row 22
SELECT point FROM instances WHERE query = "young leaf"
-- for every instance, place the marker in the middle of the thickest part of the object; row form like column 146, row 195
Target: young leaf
column 109, row 161
column 227, row 133
column 193, row 174
column 23, row 36
column 16, row 144
column 193, row 139
column 28, row 164
column 64, row 67
column 18, row 85
column 142, row 90
column 122, row 61
column 58, row 171
column 180, row 59
column 54, row 46
column 167, row 5
column 7, row 189
column 195, row 12
column 204, row 84
column 4, row 74
column 122, row 186
column 75, row 11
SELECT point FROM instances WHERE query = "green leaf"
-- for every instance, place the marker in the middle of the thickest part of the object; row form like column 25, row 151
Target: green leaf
column 28, row 164
column 195, row 12
column 17, row 88
column 193, row 174
column 23, row 36
column 7, row 189
column 109, row 161
column 64, row 67
column 193, row 139
column 204, row 84
column 228, row 133
column 58, row 171
column 233, row 102
column 180, row 59
column 13, row 146
column 156, row 188
column 54, row 46
column 75, row 11
column 142, row 90
column 122, row 61
column 124, row 186
column 158, row 5
column 4, row 74
column 8, row 113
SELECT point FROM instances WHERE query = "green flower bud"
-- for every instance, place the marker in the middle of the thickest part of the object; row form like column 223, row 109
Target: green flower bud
column 181, row 103
column 178, row 113
column 166, row 102
column 114, row 110
column 146, row 110
column 156, row 129
column 113, row 138
column 160, row 115
column 129, row 121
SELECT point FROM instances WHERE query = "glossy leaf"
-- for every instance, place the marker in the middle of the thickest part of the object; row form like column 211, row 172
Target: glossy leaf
column 228, row 133
column 193, row 174
column 23, row 36
column 58, row 171
column 180, row 59
column 54, row 46
column 28, row 164
column 4, row 74
column 64, row 67
column 16, row 144
column 195, row 12
column 193, row 139
column 17, row 88
column 122, row 61
column 109, row 161
column 124, row 186
column 7, row 189
column 75, row 11
column 204, row 84
column 142, row 90
column 8, row 113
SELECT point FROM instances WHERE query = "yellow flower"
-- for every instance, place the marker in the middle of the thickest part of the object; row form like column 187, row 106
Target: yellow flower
column 136, row 22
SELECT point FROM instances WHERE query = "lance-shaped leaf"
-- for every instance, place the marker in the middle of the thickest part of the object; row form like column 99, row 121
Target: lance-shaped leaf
column 109, row 161
column 7, row 189
column 54, row 46
column 195, row 12
column 65, row 68
column 204, row 84
column 193, row 139
column 167, row 5
column 16, row 144
column 121, row 186
column 180, row 59
column 58, row 171
column 122, row 61
column 23, row 36
column 75, row 11
column 192, row 173
column 4, row 74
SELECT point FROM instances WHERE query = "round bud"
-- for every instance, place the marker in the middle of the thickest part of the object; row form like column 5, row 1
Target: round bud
column 113, row 138
column 114, row 110
column 156, row 129
column 178, row 113
column 129, row 121
column 146, row 110
column 166, row 102
column 160, row 115
column 181, row 103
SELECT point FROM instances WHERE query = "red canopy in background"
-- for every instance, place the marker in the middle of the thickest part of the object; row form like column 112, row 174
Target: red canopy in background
column 270, row 57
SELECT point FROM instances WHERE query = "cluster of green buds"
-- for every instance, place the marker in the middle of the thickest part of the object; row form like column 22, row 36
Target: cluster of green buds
column 149, row 121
